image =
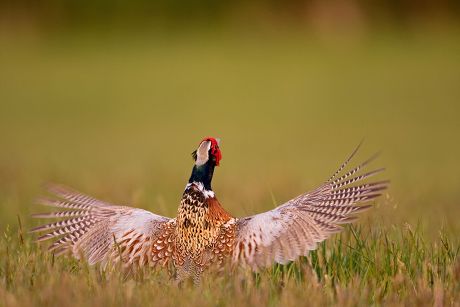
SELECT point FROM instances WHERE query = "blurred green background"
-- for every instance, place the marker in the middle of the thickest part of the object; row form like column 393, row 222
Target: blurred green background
column 111, row 97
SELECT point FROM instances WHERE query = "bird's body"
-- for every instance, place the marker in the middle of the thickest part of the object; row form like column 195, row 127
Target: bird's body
column 203, row 233
column 200, row 224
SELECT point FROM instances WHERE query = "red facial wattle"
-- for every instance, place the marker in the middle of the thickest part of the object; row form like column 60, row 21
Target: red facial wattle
column 215, row 151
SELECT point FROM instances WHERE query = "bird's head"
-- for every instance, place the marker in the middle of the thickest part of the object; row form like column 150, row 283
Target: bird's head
column 207, row 151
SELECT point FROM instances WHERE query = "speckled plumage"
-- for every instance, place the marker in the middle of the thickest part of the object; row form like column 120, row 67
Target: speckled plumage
column 203, row 233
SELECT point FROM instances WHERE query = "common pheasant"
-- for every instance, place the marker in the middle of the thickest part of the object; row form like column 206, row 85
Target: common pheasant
column 204, row 233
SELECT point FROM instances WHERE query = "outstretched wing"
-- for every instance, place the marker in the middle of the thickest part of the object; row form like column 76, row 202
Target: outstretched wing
column 101, row 232
column 296, row 227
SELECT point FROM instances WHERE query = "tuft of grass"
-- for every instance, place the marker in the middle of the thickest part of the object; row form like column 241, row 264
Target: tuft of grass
column 364, row 265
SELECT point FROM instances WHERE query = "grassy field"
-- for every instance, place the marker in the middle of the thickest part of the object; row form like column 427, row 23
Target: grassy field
column 118, row 116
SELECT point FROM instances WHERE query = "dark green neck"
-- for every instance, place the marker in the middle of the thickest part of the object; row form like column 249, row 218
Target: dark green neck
column 203, row 174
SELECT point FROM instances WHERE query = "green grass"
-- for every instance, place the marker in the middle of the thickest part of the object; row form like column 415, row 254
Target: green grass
column 362, row 266
column 118, row 117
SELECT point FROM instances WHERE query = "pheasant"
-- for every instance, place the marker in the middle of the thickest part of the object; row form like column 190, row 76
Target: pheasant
column 203, row 233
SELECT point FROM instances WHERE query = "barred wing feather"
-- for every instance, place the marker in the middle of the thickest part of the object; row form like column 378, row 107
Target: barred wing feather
column 101, row 232
column 296, row 227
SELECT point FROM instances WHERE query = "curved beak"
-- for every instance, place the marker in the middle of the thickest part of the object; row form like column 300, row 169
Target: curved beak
column 202, row 155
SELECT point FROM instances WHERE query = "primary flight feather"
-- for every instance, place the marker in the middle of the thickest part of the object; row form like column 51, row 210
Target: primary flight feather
column 203, row 233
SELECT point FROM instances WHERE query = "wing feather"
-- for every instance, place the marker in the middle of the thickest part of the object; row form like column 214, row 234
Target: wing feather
column 98, row 231
column 296, row 227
